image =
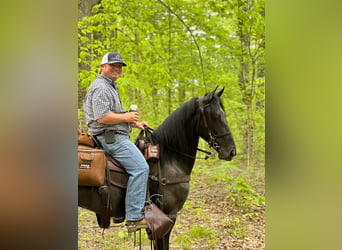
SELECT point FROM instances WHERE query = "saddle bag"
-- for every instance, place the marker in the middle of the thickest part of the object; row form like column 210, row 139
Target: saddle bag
column 85, row 139
column 145, row 144
column 91, row 166
column 141, row 141
column 152, row 152
column 159, row 223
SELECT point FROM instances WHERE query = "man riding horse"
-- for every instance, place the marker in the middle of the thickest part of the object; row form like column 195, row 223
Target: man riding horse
column 111, row 125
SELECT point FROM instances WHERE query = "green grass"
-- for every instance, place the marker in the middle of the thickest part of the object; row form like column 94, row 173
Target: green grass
column 90, row 237
column 191, row 236
column 241, row 184
column 237, row 228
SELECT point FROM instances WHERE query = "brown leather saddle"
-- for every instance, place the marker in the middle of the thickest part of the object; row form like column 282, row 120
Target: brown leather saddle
column 116, row 174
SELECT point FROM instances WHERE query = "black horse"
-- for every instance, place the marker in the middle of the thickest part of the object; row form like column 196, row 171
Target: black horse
column 178, row 138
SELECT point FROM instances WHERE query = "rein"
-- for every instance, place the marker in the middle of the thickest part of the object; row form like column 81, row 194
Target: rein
column 209, row 154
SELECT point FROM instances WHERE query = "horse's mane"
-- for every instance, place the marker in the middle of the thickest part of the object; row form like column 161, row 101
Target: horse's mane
column 178, row 126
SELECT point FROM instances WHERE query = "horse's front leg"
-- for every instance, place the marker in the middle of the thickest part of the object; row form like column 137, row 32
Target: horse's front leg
column 163, row 243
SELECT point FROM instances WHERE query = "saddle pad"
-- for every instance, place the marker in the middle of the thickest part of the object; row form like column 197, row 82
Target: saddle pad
column 91, row 166
column 117, row 174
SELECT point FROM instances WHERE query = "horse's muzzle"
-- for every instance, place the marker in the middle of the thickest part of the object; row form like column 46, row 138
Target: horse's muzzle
column 227, row 156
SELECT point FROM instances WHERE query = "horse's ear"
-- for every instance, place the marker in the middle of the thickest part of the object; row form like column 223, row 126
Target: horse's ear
column 220, row 93
column 212, row 94
column 215, row 89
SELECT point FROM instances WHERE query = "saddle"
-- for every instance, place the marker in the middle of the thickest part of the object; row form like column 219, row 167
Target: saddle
column 98, row 169
column 117, row 175
column 107, row 171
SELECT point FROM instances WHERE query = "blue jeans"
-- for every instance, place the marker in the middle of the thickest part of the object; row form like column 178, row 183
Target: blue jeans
column 129, row 156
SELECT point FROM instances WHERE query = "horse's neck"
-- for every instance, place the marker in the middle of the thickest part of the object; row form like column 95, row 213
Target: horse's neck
column 179, row 141
column 181, row 138
column 179, row 158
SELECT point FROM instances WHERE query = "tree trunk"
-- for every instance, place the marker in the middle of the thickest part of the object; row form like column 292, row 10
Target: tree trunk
column 84, row 9
column 246, row 86
column 85, row 6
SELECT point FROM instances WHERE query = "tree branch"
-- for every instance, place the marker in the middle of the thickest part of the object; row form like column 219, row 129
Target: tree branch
column 193, row 38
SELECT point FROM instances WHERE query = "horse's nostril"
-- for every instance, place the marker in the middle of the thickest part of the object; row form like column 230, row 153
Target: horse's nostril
column 233, row 153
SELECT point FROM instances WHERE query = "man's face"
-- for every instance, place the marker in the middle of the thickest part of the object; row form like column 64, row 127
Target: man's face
column 112, row 71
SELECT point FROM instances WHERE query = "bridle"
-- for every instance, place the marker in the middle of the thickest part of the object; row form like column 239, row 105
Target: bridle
column 212, row 143
column 212, row 136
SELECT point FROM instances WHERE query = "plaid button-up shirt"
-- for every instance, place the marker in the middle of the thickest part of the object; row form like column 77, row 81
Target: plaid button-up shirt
column 101, row 99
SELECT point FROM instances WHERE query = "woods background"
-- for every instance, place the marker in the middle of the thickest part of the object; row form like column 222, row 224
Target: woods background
column 175, row 50
column 179, row 49
column 39, row 119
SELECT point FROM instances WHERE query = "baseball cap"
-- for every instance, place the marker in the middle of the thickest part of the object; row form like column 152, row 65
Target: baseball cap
column 112, row 57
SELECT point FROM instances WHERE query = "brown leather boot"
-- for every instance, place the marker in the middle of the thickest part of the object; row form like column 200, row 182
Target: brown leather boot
column 133, row 226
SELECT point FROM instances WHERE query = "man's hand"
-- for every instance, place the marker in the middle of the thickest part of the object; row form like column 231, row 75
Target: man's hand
column 132, row 117
column 140, row 125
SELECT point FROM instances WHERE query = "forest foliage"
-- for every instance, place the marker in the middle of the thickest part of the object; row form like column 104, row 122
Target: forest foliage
column 177, row 49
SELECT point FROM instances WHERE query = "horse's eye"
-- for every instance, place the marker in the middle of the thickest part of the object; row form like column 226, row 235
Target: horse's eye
column 218, row 112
